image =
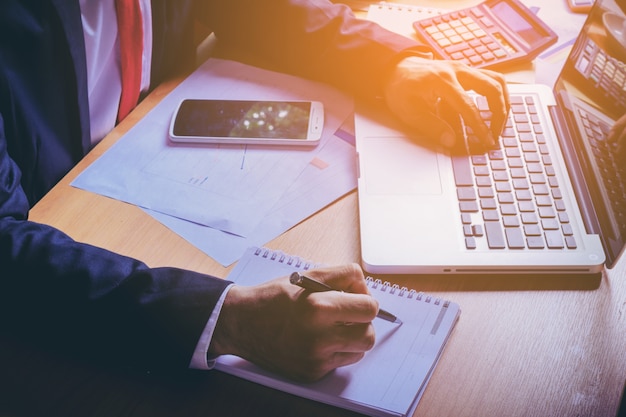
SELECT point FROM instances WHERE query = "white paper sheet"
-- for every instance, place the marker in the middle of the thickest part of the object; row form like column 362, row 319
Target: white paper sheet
column 329, row 175
column 229, row 188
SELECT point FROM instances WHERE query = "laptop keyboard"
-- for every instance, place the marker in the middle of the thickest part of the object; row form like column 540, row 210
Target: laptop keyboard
column 510, row 197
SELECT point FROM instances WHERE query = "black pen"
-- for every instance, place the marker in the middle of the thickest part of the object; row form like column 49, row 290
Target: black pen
column 312, row 285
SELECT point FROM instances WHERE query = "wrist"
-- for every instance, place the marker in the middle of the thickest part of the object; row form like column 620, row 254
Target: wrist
column 227, row 326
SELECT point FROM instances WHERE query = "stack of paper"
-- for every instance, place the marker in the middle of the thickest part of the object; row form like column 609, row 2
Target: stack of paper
column 225, row 198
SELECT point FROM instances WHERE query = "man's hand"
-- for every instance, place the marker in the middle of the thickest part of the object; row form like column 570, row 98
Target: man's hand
column 417, row 85
column 302, row 335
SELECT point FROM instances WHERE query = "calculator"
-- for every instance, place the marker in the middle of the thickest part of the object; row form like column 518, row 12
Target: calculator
column 493, row 34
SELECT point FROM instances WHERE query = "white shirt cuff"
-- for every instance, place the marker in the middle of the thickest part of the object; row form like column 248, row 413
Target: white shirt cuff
column 199, row 359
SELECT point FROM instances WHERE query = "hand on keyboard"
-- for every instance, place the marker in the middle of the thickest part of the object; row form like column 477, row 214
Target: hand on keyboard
column 417, row 86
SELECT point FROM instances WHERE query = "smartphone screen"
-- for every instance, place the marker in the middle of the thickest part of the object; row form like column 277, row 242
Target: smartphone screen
column 214, row 119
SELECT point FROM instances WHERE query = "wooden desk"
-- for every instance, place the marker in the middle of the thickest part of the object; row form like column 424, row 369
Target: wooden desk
column 524, row 346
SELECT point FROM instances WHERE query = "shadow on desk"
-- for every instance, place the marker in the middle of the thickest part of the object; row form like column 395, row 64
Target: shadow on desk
column 487, row 282
column 34, row 382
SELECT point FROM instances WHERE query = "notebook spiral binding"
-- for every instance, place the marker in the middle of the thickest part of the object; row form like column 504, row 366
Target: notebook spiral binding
column 375, row 283
column 410, row 8
column 297, row 262
column 278, row 256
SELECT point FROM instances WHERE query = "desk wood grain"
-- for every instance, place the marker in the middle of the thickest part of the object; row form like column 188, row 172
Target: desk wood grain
column 524, row 346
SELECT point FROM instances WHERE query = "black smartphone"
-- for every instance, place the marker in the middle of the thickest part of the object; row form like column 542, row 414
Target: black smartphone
column 248, row 122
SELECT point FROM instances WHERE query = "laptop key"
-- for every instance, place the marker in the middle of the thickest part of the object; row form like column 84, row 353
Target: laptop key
column 554, row 239
column 570, row 241
column 462, row 171
column 535, row 242
column 495, row 237
column 515, row 238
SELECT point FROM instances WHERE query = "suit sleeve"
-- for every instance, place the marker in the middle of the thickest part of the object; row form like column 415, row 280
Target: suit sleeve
column 72, row 296
column 312, row 38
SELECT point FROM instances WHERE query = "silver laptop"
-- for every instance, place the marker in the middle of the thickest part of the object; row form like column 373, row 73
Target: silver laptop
column 551, row 199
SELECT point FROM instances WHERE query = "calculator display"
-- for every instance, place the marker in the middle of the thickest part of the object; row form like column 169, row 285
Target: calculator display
column 516, row 22
column 490, row 35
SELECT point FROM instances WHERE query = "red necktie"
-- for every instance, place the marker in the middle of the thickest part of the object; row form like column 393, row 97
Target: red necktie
column 130, row 30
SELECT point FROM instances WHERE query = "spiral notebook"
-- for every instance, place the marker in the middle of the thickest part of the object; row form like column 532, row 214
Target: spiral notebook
column 390, row 379
column 399, row 18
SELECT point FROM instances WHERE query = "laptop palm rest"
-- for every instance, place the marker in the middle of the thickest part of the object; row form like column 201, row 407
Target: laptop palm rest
column 396, row 166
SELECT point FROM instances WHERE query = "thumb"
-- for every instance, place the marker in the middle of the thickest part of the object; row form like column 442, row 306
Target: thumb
column 435, row 128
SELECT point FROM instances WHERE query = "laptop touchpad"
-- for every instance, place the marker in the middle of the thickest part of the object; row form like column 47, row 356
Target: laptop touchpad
column 395, row 165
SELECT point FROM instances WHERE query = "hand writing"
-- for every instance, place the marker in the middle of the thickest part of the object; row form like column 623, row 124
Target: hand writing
column 302, row 335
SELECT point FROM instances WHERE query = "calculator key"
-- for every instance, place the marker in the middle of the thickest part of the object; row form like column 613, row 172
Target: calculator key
column 467, row 36
column 486, row 22
column 469, row 53
column 481, row 49
column 477, row 12
column 499, row 53
column 456, row 48
column 457, row 56
column 456, row 39
column 443, row 42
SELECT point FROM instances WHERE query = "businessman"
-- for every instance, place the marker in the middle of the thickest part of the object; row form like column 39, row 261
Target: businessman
column 67, row 77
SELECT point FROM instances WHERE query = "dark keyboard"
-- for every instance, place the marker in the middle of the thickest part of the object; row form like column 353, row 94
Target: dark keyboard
column 510, row 197
column 607, row 73
column 611, row 171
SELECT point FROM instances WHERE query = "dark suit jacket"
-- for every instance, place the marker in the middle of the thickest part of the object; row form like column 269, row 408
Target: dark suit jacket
column 64, row 293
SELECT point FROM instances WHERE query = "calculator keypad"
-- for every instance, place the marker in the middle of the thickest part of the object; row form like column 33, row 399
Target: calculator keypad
column 469, row 36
